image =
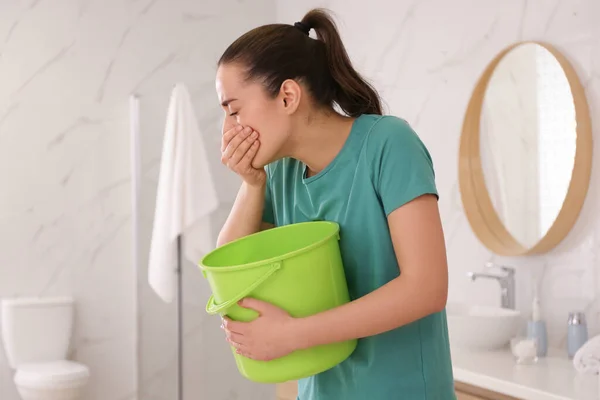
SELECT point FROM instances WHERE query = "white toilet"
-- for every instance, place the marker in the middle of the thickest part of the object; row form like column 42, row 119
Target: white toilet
column 36, row 333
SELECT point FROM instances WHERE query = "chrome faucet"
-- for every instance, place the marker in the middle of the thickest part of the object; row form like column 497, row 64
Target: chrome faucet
column 506, row 280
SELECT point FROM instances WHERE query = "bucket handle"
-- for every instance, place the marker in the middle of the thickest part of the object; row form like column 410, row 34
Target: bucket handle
column 212, row 308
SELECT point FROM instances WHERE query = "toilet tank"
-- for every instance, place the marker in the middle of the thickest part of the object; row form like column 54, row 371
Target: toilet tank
column 36, row 329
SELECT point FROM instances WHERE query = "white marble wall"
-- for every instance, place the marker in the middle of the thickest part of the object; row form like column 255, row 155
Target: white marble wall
column 67, row 68
column 425, row 57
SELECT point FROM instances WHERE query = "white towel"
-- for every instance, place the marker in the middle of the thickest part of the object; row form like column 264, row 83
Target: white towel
column 587, row 358
column 185, row 199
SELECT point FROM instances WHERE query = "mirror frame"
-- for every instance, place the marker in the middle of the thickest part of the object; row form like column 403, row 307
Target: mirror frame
column 480, row 212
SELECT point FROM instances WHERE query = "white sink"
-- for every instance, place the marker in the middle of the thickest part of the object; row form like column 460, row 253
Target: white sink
column 481, row 328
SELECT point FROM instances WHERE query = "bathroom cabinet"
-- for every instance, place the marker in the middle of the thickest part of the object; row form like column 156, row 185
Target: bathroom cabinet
column 468, row 392
column 288, row 391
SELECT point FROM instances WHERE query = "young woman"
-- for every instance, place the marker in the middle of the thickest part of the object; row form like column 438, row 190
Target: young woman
column 300, row 160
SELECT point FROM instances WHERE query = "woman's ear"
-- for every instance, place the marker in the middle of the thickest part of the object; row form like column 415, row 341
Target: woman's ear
column 290, row 95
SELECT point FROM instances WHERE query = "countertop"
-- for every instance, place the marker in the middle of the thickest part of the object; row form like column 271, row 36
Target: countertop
column 552, row 378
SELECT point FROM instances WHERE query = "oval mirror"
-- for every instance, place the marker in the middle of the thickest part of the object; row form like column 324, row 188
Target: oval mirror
column 525, row 152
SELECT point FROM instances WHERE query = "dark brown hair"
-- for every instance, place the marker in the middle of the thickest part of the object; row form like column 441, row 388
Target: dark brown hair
column 273, row 53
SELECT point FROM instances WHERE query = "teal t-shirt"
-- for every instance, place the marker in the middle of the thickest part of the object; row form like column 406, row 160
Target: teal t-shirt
column 382, row 166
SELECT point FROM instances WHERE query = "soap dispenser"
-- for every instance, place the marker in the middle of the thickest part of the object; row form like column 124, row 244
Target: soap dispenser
column 577, row 334
column 536, row 327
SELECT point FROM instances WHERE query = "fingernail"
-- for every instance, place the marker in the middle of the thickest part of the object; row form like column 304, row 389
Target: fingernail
column 247, row 130
column 239, row 128
column 254, row 135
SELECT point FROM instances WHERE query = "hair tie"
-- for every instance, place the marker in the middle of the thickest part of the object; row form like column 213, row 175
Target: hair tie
column 303, row 28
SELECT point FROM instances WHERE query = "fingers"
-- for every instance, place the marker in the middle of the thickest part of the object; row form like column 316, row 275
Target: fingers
column 245, row 353
column 238, row 346
column 243, row 344
column 233, row 326
column 242, row 349
column 259, row 306
column 249, row 156
column 234, row 337
column 230, row 134
column 242, row 149
column 236, row 340
column 228, row 124
column 234, row 142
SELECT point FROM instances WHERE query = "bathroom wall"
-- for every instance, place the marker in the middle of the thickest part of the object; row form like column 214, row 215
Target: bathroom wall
column 425, row 57
column 67, row 68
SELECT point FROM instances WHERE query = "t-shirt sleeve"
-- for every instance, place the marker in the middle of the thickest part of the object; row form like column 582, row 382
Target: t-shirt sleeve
column 268, row 213
column 401, row 166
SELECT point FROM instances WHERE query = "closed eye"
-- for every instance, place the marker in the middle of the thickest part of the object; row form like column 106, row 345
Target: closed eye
column 233, row 114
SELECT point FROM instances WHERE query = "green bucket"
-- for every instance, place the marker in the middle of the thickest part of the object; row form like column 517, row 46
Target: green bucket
column 296, row 267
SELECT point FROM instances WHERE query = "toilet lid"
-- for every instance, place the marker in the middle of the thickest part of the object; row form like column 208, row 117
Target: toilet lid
column 55, row 374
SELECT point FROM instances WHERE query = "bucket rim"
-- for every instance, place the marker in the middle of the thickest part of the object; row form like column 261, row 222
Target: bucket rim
column 271, row 260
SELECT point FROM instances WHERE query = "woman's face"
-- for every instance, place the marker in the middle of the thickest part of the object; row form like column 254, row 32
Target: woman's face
column 247, row 103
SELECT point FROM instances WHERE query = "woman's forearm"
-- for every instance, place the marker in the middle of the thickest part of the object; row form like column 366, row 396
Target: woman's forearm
column 395, row 304
column 245, row 217
column 420, row 290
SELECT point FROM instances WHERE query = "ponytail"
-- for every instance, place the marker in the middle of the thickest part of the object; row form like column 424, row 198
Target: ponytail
column 276, row 52
column 352, row 93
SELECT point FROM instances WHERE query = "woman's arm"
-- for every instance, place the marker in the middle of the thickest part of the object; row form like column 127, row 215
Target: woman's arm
column 245, row 217
column 420, row 290
column 239, row 146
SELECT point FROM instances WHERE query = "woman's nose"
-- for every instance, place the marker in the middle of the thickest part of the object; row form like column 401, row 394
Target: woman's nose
column 229, row 123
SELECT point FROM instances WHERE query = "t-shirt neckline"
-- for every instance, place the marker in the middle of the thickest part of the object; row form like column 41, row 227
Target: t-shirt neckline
column 340, row 155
